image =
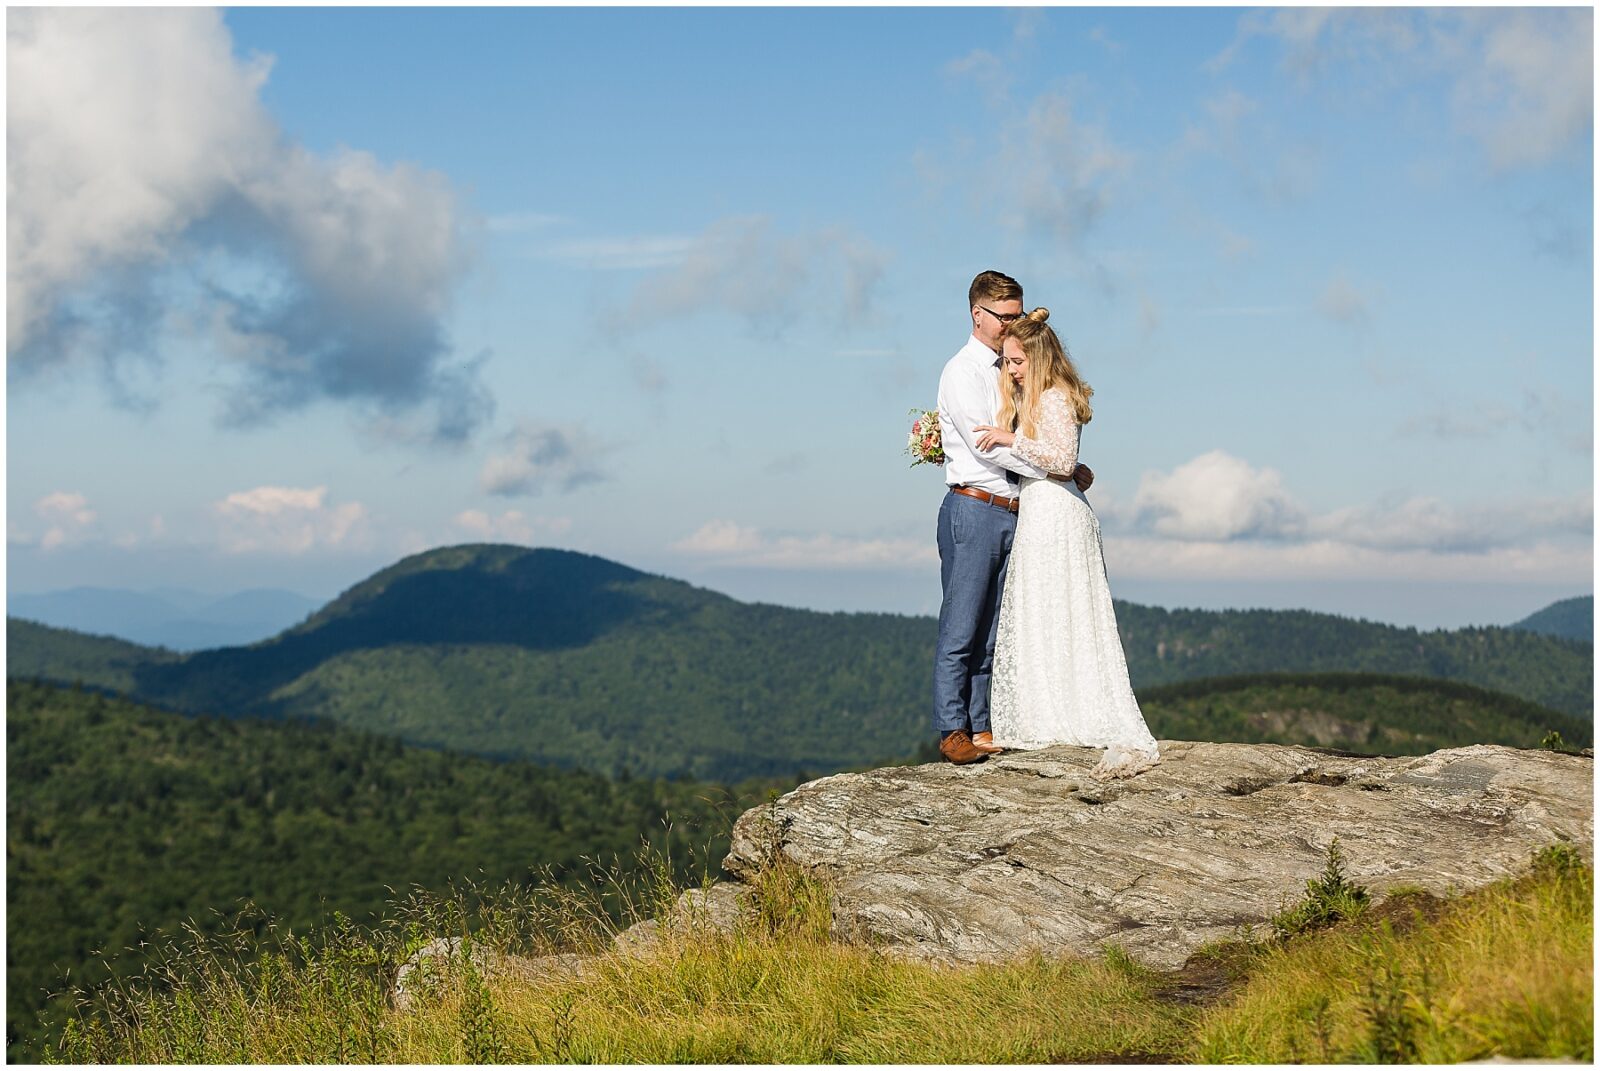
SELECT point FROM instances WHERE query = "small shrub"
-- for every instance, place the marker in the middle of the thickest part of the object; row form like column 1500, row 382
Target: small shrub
column 789, row 900
column 1398, row 1008
column 1330, row 898
column 481, row 1033
column 1557, row 860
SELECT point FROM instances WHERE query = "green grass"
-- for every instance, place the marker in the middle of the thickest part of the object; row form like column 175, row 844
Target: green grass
column 1503, row 970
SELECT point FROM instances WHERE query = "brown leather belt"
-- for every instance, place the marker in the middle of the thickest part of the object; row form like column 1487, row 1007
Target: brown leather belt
column 985, row 496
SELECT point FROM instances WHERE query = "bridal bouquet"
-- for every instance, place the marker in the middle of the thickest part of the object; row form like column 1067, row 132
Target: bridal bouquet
column 925, row 445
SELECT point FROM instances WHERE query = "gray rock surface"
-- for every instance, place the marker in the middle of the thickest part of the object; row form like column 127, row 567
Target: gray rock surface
column 1027, row 851
column 718, row 906
column 442, row 956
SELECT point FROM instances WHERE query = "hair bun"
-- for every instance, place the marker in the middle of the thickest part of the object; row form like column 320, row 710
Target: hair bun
column 1039, row 315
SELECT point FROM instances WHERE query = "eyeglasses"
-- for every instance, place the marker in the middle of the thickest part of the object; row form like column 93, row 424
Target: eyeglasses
column 1003, row 317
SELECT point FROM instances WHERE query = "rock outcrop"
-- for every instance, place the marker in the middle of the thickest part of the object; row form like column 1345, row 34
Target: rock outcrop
column 444, row 956
column 1027, row 851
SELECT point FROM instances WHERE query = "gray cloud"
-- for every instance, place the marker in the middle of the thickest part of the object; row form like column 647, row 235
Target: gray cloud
column 534, row 457
column 1229, row 126
column 1343, row 303
column 1522, row 79
column 1543, row 412
column 648, row 373
column 768, row 279
column 315, row 278
column 1554, row 234
column 1061, row 172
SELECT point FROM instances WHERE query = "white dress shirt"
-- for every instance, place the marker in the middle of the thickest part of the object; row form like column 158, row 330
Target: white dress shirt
column 969, row 395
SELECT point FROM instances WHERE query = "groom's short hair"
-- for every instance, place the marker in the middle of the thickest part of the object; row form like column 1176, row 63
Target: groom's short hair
column 993, row 286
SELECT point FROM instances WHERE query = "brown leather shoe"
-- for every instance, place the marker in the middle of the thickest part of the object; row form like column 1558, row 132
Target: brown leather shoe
column 957, row 748
column 984, row 742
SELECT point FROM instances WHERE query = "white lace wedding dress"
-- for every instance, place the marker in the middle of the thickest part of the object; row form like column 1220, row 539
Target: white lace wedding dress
column 1060, row 676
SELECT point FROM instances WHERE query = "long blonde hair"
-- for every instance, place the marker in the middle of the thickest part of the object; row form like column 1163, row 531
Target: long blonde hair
column 1049, row 365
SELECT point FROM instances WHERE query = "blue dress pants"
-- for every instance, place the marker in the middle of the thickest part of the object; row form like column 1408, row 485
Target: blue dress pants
column 974, row 547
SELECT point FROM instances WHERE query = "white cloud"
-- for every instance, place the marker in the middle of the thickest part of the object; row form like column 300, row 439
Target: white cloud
column 534, row 457
column 67, row 506
column 522, row 222
column 1430, row 524
column 621, row 254
column 1151, row 558
column 105, row 163
column 67, row 517
column 1218, row 501
column 288, row 520
column 1315, row 38
column 1530, row 92
column 993, row 71
column 720, row 537
column 989, row 71
column 732, row 544
column 1102, row 38
column 1216, row 497
column 1217, row 130
column 151, row 194
column 510, row 527
column 1247, row 310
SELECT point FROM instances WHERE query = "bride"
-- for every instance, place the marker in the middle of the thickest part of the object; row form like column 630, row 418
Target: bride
column 1060, row 676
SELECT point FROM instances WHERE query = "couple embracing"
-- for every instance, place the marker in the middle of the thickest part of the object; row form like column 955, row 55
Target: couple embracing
column 1028, row 652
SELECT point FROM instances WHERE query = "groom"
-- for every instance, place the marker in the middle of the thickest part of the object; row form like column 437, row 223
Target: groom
column 976, row 523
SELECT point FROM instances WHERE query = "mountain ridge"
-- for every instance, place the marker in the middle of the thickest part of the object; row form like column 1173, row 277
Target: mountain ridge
column 1571, row 619
column 573, row 659
column 175, row 618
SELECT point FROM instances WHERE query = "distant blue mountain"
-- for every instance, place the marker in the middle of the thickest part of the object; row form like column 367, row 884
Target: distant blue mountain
column 1571, row 619
column 177, row 618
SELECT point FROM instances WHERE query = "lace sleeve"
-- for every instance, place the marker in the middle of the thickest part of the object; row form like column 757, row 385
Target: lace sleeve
column 1055, row 449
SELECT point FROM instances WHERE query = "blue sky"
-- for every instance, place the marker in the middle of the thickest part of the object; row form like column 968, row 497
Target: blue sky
column 295, row 292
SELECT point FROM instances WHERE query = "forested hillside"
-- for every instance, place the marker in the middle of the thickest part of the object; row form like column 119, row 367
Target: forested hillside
column 124, row 820
column 60, row 654
column 1362, row 712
